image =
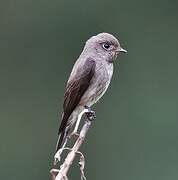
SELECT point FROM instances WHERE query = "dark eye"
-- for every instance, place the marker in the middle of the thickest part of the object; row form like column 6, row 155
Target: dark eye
column 106, row 46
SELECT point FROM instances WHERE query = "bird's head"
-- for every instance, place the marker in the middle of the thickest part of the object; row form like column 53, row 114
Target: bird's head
column 105, row 45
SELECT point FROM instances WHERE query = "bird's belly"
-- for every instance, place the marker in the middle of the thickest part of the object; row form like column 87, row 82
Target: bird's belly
column 101, row 92
column 98, row 86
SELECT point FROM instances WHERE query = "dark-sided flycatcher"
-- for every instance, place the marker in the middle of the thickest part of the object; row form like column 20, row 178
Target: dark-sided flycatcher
column 88, row 81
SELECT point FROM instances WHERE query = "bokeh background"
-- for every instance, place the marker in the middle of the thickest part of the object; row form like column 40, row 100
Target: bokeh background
column 135, row 134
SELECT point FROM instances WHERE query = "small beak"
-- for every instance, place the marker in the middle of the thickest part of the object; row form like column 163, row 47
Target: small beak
column 122, row 50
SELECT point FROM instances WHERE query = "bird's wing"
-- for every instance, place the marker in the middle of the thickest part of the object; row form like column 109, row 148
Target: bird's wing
column 75, row 89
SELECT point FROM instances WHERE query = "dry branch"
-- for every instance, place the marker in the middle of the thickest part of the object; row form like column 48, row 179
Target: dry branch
column 64, row 168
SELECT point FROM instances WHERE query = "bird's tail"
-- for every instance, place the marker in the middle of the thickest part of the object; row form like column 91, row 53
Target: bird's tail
column 62, row 132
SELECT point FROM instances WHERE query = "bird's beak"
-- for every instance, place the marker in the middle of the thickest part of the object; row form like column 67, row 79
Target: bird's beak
column 122, row 50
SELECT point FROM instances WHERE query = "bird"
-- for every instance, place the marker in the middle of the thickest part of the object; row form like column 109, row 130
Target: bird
column 88, row 81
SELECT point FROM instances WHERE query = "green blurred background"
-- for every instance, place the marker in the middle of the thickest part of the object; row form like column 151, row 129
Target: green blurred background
column 134, row 136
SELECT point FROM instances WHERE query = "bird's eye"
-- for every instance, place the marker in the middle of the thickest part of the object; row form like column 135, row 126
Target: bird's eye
column 106, row 46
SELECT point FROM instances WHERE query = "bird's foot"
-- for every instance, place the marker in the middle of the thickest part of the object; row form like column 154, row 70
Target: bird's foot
column 90, row 114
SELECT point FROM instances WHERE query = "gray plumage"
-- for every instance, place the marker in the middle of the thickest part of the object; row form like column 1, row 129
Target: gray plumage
column 89, row 79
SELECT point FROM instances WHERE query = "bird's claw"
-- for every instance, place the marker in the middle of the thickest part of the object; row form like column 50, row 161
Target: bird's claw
column 90, row 114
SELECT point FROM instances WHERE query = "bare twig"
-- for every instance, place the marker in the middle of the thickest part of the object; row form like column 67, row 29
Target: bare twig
column 82, row 166
column 64, row 168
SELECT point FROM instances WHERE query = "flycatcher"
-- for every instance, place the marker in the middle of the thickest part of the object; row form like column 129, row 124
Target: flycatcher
column 88, row 81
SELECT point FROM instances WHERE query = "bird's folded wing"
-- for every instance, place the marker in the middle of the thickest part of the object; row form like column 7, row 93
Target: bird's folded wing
column 75, row 89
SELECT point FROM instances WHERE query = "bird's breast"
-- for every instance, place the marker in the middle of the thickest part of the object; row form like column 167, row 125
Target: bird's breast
column 98, row 84
column 105, row 76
